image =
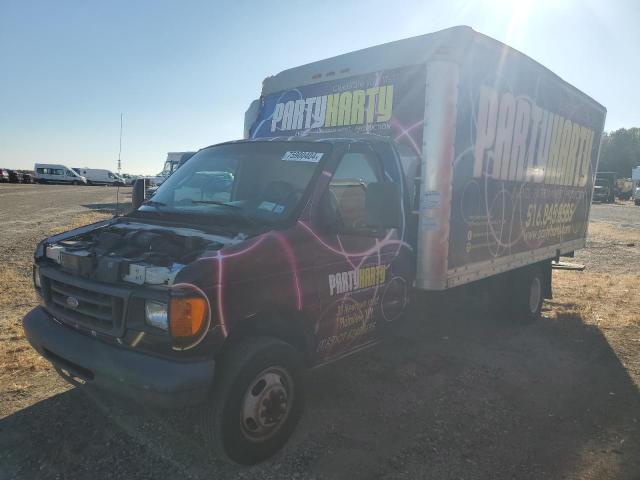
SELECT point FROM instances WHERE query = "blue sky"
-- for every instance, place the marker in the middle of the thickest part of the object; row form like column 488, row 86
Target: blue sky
column 184, row 72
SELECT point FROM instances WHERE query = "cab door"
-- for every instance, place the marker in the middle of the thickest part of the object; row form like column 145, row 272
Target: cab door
column 358, row 268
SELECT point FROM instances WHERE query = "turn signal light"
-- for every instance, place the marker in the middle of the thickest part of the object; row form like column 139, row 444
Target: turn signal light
column 187, row 315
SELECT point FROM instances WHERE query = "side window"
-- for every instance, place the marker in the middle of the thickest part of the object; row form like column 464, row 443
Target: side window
column 40, row 171
column 345, row 197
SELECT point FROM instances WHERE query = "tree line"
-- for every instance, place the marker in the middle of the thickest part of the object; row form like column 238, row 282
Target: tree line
column 620, row 151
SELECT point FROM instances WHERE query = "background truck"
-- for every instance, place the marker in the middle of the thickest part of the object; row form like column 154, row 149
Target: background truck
column 433, row 162
column 100, row 176
column 605, row 187
column 635, row 178
column 174, row 161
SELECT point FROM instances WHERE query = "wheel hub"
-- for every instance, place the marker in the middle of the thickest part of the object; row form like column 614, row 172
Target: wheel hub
column 266, row 404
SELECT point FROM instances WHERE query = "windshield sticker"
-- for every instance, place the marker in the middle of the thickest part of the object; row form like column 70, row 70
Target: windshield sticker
column 268, row 206
column 313, row 157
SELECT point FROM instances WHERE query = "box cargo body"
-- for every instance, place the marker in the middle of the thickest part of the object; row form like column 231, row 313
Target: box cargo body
column 507, row 150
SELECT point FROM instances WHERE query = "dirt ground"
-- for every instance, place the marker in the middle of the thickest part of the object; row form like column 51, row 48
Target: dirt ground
column 455, row 394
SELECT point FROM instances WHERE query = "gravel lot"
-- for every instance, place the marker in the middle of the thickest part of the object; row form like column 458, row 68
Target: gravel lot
column 454, row 395
column 620, row 214
column 35, row 210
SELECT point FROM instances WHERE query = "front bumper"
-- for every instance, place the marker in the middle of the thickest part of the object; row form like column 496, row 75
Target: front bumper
column 145, row 378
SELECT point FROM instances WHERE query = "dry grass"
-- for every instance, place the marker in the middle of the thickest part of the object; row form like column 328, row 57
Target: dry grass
column 609, row 232
column 79, row 221
column 607, row 301
column 17, row 297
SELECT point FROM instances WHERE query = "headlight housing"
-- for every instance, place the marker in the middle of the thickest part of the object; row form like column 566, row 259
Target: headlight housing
column 156, row 314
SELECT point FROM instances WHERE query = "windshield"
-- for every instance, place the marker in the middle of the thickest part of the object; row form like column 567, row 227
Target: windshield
column 257, row 181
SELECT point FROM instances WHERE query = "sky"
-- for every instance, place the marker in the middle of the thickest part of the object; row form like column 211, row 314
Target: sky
column 184, row 72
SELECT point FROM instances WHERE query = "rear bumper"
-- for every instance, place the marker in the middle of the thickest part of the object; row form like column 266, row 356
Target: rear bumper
column 145, row 378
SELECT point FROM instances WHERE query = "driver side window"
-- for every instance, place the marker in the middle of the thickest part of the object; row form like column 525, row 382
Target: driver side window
column 345, row 197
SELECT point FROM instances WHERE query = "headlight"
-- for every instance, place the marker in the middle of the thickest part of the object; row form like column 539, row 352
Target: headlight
column 155, row 314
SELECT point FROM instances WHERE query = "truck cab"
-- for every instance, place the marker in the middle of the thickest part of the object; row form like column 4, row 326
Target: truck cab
column 301, row 243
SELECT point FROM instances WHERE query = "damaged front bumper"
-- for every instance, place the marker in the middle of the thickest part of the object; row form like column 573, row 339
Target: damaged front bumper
column 145, row 378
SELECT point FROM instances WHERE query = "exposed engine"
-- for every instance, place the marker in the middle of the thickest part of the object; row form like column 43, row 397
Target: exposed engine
column 125, row 253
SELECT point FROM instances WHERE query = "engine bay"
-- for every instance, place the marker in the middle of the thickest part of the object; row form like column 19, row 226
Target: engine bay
column 138, row 254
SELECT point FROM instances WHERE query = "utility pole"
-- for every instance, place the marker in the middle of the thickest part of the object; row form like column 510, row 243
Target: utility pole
column 120, row 150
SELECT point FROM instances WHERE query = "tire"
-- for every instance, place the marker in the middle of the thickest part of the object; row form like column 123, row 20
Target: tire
column 253, row 374
column 528, row 294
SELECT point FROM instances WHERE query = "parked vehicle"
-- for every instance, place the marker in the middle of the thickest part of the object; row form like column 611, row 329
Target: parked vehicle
column 128, row 179
column 434, row 162
column 56, row 173
column 27, row 178
column 4, row 176
column 174, row 161
column 14, row 176
column 624, row 188
column 635, row 177
column 99, row 176
column 605, row 187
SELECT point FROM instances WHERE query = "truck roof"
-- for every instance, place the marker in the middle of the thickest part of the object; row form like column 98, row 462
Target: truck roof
column 450, row 44
column 334, row 138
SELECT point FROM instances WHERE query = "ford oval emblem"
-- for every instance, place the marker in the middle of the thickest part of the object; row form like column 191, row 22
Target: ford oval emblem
column 72, row 302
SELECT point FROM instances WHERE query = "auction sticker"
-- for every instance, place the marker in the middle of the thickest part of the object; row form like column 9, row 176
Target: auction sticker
column 312, row 157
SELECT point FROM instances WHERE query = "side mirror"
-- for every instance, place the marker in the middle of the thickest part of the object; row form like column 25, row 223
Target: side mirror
column 382, row 205
column 139, row 192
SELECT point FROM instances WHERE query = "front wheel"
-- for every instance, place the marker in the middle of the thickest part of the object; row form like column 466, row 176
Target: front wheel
column 256, row 402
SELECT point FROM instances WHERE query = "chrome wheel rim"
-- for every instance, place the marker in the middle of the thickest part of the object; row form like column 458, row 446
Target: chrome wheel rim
column 266, row 404
column 535, row 291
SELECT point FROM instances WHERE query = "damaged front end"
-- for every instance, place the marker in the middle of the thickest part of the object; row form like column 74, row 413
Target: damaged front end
column 126, row 282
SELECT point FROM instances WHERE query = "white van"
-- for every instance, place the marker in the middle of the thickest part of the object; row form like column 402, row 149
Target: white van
column 55, row 173
column 99, row 176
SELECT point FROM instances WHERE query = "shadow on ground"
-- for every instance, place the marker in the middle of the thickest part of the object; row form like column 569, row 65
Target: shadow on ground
column 457, row 396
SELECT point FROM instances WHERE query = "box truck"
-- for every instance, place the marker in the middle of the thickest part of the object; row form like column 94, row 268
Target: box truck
column 429, row 163
column 174, row 161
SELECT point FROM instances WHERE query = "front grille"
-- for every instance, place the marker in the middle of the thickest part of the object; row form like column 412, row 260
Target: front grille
column 84, row 306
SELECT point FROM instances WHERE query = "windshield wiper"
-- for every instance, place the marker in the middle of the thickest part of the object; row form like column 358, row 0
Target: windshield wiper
column 237, row 209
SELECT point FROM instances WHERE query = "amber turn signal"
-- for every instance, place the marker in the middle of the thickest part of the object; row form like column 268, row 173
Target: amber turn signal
column 186, row 316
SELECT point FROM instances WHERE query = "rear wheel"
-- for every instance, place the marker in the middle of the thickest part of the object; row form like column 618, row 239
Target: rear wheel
column 256, row 402
column 528, row 294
